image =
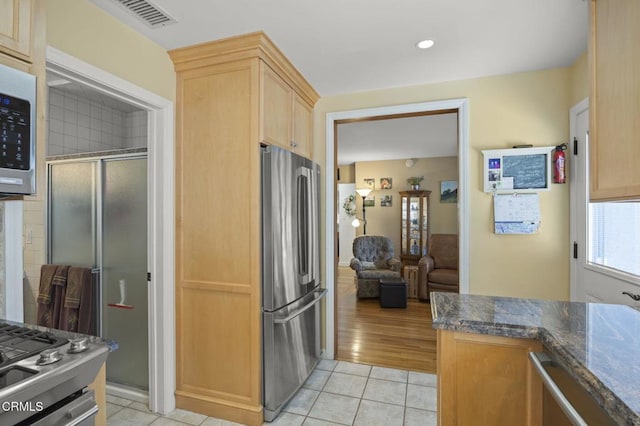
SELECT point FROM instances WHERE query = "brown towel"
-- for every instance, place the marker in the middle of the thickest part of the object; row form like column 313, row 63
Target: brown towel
column 75, row 282
column 78, row 312
column 47, row 275
column 51, row 295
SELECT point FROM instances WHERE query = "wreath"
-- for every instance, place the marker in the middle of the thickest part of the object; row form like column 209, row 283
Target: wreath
column 349, row 205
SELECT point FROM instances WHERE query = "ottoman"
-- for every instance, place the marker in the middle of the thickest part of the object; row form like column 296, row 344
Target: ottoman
column 393, row 293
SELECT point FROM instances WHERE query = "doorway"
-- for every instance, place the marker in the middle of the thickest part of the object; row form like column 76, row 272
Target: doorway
column 160, row 205
column 605, row 265
column 459, row 105
column 97, row 216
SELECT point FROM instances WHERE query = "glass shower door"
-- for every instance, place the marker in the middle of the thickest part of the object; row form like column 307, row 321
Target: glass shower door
column 124, row 269
column 98, row 219
column 72, row 214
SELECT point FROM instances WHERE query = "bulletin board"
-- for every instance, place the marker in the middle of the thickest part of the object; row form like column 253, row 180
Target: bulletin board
column 517, row 170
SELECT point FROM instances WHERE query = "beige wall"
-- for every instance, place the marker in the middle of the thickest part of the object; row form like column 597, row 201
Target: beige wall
column 83, row 30
column 386, row 220
column 579, row 80
column 504, row 110
column 347, row 174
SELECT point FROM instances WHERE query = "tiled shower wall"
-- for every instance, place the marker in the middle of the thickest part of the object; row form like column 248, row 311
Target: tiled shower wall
column 80, row 125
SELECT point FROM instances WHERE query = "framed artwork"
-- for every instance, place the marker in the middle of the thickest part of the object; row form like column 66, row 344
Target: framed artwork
column 386, row 183
column 370, row 183
column 448, row 191
column 386, row 201
column 370, row 201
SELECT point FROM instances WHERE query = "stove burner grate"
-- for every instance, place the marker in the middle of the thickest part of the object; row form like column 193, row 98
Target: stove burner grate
column 17, row 342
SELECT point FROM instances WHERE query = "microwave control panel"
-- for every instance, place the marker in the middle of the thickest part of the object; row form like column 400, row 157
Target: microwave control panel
column 15, row 126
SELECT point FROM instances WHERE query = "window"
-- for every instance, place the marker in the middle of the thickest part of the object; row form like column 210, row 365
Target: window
column 614, row 236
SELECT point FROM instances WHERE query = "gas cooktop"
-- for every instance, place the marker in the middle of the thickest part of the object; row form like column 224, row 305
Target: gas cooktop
column 17, row 342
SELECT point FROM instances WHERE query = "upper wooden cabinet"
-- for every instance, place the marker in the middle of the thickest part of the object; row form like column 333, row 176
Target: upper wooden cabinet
column 286, row 119
column 614, row 134
column 15, row 28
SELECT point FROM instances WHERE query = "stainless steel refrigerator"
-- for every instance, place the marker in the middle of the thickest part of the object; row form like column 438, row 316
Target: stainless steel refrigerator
column 291, row 292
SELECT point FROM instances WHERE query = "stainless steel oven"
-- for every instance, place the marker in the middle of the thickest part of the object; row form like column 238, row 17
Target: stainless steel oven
column 44, row 377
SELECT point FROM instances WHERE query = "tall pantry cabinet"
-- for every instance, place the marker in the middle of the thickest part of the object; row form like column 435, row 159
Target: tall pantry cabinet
column 232, row 95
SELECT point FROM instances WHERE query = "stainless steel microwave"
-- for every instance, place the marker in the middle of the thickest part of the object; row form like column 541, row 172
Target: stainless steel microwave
column 17, row 131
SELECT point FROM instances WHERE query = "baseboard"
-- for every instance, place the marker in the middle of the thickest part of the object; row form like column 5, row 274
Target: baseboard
column 243, row 414
column 128, row 392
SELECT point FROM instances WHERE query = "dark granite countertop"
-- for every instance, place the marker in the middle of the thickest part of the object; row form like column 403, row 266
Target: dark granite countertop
column 598, row 344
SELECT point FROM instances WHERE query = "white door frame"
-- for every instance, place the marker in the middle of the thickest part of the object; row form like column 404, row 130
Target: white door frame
column 462, row 105
column 577, row 224
column 346, row 230
column 160, row 201
column 13, row 304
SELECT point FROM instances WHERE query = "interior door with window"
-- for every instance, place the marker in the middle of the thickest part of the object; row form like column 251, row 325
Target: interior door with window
column 606, row 235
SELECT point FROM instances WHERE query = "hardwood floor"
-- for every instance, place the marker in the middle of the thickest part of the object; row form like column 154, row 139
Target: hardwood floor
column 395, row 338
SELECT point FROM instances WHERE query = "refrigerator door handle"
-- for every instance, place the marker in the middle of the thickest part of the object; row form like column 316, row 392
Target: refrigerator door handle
column 308, row 306
column 314, row 255
column 305, row 274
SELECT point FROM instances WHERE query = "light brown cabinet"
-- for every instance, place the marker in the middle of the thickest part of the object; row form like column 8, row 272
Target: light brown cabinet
column 99, row 387
column 487, row 380
column 232, row 95
column 614, row 134
column 16, row 19
column 22, row 47
column 286, row 119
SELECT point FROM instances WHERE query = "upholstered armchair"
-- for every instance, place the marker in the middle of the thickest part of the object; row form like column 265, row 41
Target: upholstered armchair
column 438, row 271
column 373, row 259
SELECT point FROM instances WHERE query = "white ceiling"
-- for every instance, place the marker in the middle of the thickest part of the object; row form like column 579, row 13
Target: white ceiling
column 398, row 139
column 346, row 46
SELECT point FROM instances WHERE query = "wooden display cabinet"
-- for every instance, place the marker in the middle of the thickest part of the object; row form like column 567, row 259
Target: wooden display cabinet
column 414, row 223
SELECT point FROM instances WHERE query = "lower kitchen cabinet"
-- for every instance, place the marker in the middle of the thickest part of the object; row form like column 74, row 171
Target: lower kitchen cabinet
column 99, row 387
column 487, row 380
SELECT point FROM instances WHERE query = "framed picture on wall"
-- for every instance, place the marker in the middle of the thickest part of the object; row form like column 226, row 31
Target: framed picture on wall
column 370, row 201
column 448, row 191
column 370, row 183
column 386, row 201
column 386, row 183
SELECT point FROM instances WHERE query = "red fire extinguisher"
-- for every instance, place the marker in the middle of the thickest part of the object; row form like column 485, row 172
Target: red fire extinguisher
column 558, row 164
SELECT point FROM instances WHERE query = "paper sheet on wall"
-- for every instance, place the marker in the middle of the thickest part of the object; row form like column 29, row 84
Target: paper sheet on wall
column 516, row 213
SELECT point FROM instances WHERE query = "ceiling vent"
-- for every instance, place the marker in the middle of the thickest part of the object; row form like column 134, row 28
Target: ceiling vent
column 147, row 12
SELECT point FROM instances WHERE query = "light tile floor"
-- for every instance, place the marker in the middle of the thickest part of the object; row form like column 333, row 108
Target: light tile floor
column 336, row 393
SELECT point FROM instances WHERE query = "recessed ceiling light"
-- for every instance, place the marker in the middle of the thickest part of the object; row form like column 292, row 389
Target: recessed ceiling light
column 424, row 44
